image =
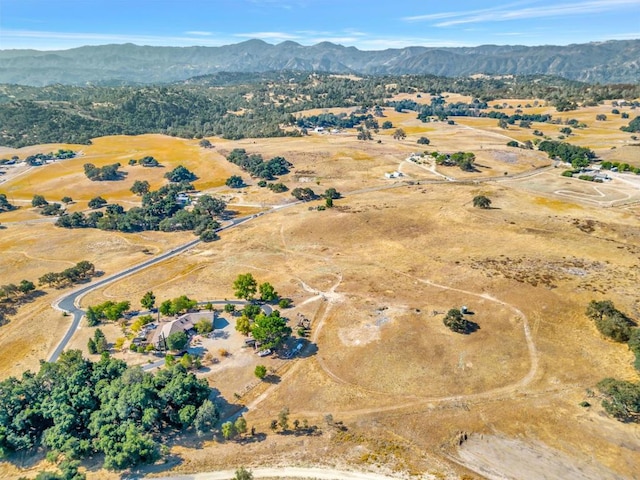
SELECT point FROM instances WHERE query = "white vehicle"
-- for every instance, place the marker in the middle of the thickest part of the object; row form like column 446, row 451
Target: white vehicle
column 264, row 353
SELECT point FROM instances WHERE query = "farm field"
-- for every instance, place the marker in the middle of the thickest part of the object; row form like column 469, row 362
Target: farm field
column 375, row 275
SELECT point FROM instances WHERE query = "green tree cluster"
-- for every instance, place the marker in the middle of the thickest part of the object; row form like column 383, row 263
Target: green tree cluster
column 98, row 344
column 255, row 165
column 610, row 321
column 11, row 290
column 270, row 330
column 106, row 173
column 177, row 341
column 180, row 174
column 79, row 408
column 108, row 310
column 80, row 272
column 455, row 321
column 577, row 156
column 140, row 187
column 160, row 210
column 5, row 205
column 622, row 399
column 633, row 127
column 177, row 305
column 304, row 194
column 464, row 160
column 69, row 114
column 234, row 181
column 148, row 300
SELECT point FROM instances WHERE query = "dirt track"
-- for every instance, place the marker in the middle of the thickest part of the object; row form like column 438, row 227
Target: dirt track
column 287, row 472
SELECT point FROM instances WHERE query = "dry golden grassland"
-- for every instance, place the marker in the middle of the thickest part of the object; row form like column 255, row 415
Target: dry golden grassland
column 375, row 275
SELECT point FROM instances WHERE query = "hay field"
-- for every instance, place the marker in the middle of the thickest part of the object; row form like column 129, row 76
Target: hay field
column 375, row 275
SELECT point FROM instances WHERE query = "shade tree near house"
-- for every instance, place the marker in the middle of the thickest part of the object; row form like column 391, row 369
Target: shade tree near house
column 203, row 326
column 260, row 371
column 177, row 305
column 464, row 160
column 243, row 325
column 148, row 300
column 267, row 292
column 270, row 330
column 245, row 286
column 98, row 343
column 177, row 340
column 577, row 156
column 109, row 310
column 250, row 310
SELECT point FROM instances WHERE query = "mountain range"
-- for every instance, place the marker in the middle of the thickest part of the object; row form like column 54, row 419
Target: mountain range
column 616, row 61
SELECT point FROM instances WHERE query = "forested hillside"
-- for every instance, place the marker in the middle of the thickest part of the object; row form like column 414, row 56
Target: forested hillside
column 602, row 62
column 243, row 105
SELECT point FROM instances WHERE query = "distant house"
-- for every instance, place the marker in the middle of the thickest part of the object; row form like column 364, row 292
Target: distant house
column 319, row 129
column 184, row 323
column 393, row 175
column 183, row 199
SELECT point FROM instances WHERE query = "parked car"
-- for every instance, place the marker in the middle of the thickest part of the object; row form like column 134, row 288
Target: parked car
column 264, row 353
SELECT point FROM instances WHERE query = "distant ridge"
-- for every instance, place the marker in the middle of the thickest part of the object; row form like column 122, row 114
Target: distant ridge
column 615, row 61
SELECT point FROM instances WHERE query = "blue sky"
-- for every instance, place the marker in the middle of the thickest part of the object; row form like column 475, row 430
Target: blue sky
column 366, row 24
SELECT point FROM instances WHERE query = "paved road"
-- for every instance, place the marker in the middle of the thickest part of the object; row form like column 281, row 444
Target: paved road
column 70, row 302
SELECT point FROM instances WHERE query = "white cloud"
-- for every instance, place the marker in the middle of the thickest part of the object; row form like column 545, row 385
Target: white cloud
column 507, row 12
column 199, row 33
column 623, row 36
column 442, row 15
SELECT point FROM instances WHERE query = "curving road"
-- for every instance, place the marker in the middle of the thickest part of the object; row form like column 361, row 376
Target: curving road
column 70, row 302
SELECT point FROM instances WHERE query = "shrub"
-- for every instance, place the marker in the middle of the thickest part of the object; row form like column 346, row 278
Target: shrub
column 455, row 321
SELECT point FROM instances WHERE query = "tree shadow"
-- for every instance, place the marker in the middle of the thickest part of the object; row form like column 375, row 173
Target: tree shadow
column 272, row 379
column 471, row 327
column 309, row 350
column 255, row 438
column 227, row 410
column 219, row 335
column 168, row 462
